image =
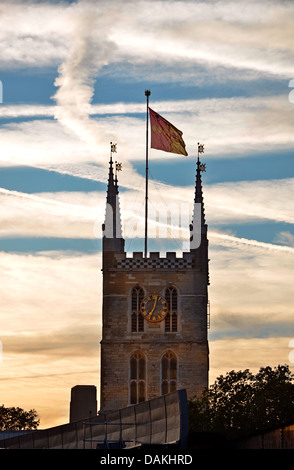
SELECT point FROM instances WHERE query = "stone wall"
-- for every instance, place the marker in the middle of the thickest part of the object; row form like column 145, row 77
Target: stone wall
column 189, row 343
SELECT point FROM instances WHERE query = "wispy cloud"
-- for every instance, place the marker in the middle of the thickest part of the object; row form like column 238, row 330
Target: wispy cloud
column 251, row 290
column 77, row 74
column 88, row 35
column 224, row 239
column 45, row 297
column 286, row 238
column 240, row 125
column 66, row 215
column 50, row 329
column 50, row 283
column 243, row 297
column 78, row 214
column 253, row 200
column 236, row 353
column 199, row 32
column 28, row 40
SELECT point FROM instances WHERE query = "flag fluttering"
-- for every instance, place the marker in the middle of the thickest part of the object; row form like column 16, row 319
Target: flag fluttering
column 165, row 136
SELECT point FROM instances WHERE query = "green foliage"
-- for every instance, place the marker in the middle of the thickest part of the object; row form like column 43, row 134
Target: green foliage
column 241, row 403
column 16, row 419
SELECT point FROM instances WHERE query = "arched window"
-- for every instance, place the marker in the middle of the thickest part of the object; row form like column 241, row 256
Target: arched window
column 171, row 319
column 137, row 378
column 169, row 372
column 137, row 319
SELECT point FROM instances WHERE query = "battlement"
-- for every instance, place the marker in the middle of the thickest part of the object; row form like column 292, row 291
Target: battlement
column 154, row 261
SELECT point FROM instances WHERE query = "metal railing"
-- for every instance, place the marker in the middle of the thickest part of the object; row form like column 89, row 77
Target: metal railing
column 107, row 443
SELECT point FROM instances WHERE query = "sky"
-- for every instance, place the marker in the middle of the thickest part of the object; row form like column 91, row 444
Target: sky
column 73, row 78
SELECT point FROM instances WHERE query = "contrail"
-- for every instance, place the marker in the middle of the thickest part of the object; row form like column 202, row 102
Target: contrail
column 70, row 209
column 90, row 52
column 245, row 241
column 90, row 214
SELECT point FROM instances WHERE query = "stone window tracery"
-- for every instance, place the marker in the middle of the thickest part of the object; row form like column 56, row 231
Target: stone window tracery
column 137, row 378
column 169, row 373
column 171, row 319
column 137, row 321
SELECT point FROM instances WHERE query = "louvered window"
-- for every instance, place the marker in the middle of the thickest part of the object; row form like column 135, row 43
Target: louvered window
column 137, row 378
column 169, row 367
column 171, row 320
column 137, row 323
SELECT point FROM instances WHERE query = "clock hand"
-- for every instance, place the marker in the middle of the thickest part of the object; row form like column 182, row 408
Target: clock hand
column 153, row 308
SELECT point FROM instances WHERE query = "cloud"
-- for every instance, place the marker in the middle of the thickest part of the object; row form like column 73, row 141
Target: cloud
column 60, row 285
column 240, row 125
column 66, row 215
column 87, row 36
column 251, row 290
column 40, row 142
column 251, row 201
column 81, row 214
column 50, row 329
column 285, row 238
column 251, row 36
column 25, row 110
column 51, row 302
column 28, row 40
column 244, row 353
column 51, row 320
column 75, row 341
column 225, row 239
column 78, row 72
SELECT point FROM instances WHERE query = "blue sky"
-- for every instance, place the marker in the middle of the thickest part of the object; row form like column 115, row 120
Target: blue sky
column 220, row 72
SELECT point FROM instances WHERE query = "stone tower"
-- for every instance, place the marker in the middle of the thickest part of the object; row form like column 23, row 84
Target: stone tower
column 154, row 336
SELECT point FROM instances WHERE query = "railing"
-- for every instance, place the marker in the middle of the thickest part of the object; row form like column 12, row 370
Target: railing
column 160, row 421
column 107, row 443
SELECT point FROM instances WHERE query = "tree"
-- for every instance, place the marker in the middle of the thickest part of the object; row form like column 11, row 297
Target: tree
column 241, row 403
column 17, row 419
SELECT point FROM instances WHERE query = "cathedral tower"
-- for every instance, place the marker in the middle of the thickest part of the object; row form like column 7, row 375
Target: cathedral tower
column 154, row 335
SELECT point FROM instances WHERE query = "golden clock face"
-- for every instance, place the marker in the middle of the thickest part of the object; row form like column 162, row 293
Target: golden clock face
column 154, row 307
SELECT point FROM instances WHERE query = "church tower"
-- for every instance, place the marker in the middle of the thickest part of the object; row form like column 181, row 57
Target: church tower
column 154, row 334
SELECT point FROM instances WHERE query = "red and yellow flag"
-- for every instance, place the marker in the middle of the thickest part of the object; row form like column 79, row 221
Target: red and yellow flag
column 165, row 136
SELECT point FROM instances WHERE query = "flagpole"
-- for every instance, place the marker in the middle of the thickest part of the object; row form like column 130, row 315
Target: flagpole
column 147, row 94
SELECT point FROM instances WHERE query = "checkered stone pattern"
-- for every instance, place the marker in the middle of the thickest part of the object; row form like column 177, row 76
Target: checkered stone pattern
column 163, row 263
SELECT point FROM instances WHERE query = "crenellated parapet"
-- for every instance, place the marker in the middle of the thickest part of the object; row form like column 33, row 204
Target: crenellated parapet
column 154, row 261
